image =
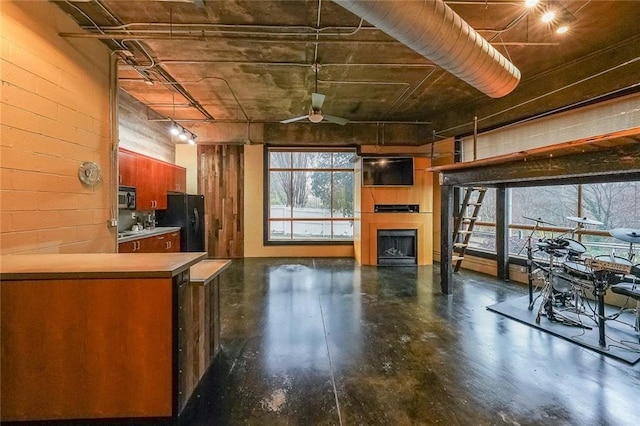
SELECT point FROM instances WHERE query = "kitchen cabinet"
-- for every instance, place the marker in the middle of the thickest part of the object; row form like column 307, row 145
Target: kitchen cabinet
column 88, row 336
column 152, row 179
column 164, row 243
column 169, row 243
column 176, row 179
column 150, row 194
column 126, row 168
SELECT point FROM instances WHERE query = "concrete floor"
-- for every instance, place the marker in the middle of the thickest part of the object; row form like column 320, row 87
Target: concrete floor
column 328, row 342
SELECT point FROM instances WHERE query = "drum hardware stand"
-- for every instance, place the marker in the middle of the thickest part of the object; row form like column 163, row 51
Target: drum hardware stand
column 538, row 221
column 601, row 283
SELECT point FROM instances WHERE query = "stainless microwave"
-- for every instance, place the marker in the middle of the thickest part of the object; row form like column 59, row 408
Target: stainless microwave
column 127, row 197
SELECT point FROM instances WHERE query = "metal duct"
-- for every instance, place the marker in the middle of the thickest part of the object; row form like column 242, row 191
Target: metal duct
column 434, row 30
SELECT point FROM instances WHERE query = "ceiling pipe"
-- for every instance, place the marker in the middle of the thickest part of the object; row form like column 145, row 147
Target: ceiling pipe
column 434, row 30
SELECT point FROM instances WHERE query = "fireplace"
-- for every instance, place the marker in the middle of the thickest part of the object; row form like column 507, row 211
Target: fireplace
column 397, row 246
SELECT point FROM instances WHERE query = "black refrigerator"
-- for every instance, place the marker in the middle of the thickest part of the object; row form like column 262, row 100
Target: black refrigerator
column 187, row 212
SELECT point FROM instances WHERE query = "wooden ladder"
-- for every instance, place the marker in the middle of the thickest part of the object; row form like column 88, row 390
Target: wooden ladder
column 464, row 224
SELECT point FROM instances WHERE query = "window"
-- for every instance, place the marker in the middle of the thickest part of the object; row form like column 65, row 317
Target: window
column 310, row 195
column 615, row 204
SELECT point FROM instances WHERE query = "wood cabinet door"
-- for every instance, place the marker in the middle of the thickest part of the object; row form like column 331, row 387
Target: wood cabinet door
column 127, row 168
column 176, row 179
column 128, row 247
column 161, row 171
column 146, row 188
column 174, row 242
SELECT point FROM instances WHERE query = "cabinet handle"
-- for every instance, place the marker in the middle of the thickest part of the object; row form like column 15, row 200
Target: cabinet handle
column 139, row 244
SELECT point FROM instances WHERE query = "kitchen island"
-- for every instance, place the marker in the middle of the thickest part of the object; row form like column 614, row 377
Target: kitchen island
column 88, row 336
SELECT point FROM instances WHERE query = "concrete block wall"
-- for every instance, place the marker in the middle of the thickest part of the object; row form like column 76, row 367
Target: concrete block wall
column 54, row 109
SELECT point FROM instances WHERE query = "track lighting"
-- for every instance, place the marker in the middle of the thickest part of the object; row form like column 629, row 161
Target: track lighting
column 552, row 14
column 548, row 16
column 175, row 129
column 182, row 133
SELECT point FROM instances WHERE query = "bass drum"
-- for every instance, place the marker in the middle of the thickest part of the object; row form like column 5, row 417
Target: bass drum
column 561, row 281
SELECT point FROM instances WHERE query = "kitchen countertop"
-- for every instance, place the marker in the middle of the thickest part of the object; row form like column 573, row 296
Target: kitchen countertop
column 203, row 272
column 127, row 236
column 96, row 265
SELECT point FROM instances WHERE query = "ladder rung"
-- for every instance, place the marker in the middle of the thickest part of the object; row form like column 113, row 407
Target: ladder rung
column 456, row 258
column 460, row 245
column 474, row 204
column 470, row 218
column 479, row 189
column 465, row 232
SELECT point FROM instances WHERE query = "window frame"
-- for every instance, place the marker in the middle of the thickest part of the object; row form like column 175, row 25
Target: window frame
column 266, row 219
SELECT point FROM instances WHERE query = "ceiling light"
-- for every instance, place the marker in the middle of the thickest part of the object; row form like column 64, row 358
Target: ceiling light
column 183, row 135
column 530, row 3
column 548, row 16
column 175, row 130
column 563, row 21
column 192, row 139
column 315, row 117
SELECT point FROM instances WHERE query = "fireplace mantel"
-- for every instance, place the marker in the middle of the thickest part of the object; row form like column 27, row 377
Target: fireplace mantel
column 368, row 221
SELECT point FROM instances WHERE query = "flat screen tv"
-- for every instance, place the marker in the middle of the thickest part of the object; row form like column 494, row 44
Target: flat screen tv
column 387, row 171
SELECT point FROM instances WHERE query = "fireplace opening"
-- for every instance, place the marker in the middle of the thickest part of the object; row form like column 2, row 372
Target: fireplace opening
column 397, row 246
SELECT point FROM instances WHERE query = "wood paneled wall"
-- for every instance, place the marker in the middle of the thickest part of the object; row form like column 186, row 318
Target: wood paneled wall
column 221, row 181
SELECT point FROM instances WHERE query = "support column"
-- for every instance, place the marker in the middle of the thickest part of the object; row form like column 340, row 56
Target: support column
column 502, row 233
column 446, row 238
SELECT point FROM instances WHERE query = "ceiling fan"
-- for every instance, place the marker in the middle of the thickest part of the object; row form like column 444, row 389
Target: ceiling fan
column 315, row 112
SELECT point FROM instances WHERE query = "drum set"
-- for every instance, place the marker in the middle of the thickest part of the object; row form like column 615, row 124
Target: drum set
column 566, row 274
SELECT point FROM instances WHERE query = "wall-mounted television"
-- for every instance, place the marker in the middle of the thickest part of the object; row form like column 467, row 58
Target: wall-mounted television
column 387, row 171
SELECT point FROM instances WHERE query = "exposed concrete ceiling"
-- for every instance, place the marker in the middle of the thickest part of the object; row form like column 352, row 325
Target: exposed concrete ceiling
column 216, row 66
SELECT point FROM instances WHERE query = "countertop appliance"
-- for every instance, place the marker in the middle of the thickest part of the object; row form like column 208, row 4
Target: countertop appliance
column 127, row 197
column 187, row 212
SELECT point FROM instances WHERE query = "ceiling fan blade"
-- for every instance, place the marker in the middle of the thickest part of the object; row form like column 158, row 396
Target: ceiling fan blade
column 336, row 120
column 317, row 99
column 292, row 120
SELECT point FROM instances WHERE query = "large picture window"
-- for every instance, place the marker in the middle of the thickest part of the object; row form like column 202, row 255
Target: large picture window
column 310, row 195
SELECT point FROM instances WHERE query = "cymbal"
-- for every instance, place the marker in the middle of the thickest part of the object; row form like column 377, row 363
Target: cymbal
column 626, row 234
column 584, row 220
column 539, row 220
